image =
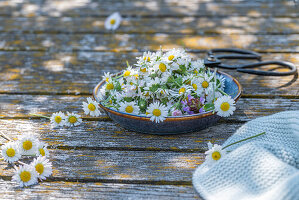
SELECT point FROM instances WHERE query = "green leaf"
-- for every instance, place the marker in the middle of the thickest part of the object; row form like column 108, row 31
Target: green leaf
column 209, row 107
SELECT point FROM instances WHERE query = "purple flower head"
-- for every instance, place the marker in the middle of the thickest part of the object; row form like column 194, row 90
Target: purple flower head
column 202, row 100
column 201, row 110
column 177, row 113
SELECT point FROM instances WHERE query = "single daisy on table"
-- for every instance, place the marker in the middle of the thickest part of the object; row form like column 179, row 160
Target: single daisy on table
column 91, row 107
column 10, row 152
column 129, row 107
column 214, row 153
column 225, row 106
column 42, row 166
column 28, row 144
column 25, row 175
column 42, row 149
column 57, row 119
column 113, row 21
column 73, row 119
column 157, row 112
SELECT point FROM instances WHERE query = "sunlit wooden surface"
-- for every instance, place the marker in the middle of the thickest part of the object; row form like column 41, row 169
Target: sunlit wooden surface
column 53, row 52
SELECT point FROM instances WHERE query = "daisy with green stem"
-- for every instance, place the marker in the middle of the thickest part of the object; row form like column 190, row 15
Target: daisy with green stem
column 217, row 152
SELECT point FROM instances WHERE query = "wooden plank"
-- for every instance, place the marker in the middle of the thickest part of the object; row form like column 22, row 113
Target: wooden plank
column 138, row 166
column 148, row 8
column 77, row 73
column 108, row 135
column 144, row 42
column 20, row 106
column 98, row 190
column 185, row 25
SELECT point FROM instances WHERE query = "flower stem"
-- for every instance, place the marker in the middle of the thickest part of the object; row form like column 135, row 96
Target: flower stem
column 5, row 137
column 40, row 116
column 244, row 139
column 222, row 92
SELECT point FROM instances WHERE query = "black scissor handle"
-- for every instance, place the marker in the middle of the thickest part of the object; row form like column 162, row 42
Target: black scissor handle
column 291, row 66
column 238, row 54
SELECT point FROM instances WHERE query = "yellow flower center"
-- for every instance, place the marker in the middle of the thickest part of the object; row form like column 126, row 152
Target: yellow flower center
column 157, row 112
column 146, row 58
column 27, row 145
column 39, row 168
column 162, row 67
column 225, row 106
column 129, row 109
column 127, row 73
column 182, row 90
column 112, row 21
column 147, row 94
column 107, row 79
column 143, row 70
column 42, row 151
column 205, row 84
column 72, row 119
column 136, row 76
column 10, row 152
column 216, row 155
column 194, row 86
column 58, row 119
column 91, row 107
column 147, row 113
column 109, row 86
column 196, row 72
column 171, row 57
column 25, row 176
column 110, row 101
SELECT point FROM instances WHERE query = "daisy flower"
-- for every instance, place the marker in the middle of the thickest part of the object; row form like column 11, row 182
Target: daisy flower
column 174, row 54
column 214, row 153
column 225, row 106
column 113, row 21
column 73, row 119
column 42, row 149
column 28, row 144
column 10, row 152
column 25, row 175
column 42, row 166
column 206, row 85
column 91, row 107
column 197, row 66
column 57, row 119
column 157, row 112
column 220, row 82
column 129, row 107
column 129, row 72
column 195, row 83
column 182, row 91
column 107, row 77
column 109, row 86
column 161, row 67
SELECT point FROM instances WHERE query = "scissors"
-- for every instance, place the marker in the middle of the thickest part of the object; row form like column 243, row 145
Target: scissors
column 214, row 60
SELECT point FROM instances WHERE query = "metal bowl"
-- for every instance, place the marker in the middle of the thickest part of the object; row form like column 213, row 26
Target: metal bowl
column 172, row 124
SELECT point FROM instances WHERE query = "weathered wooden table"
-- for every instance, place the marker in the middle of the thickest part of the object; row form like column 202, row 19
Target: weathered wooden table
column 53, row 52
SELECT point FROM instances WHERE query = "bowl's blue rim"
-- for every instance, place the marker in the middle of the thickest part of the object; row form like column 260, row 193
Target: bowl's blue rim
column 168, row 118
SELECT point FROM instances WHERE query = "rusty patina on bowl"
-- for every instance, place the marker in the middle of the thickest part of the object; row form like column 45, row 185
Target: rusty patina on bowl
column 172, row 124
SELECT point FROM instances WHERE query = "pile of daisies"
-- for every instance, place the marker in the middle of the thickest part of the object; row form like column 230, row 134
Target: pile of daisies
column 166, row 84
column 27, row 146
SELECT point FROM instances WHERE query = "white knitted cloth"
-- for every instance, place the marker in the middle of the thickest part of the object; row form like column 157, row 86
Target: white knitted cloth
column 265, row 167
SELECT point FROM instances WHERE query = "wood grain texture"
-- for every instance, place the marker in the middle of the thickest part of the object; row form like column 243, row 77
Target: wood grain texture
column 138, row 166
column 78, row 73
column 97, row 190
column 143, row 42
column 148, row 8
column 20, row 106
column 185, row 25
column 107, row 135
